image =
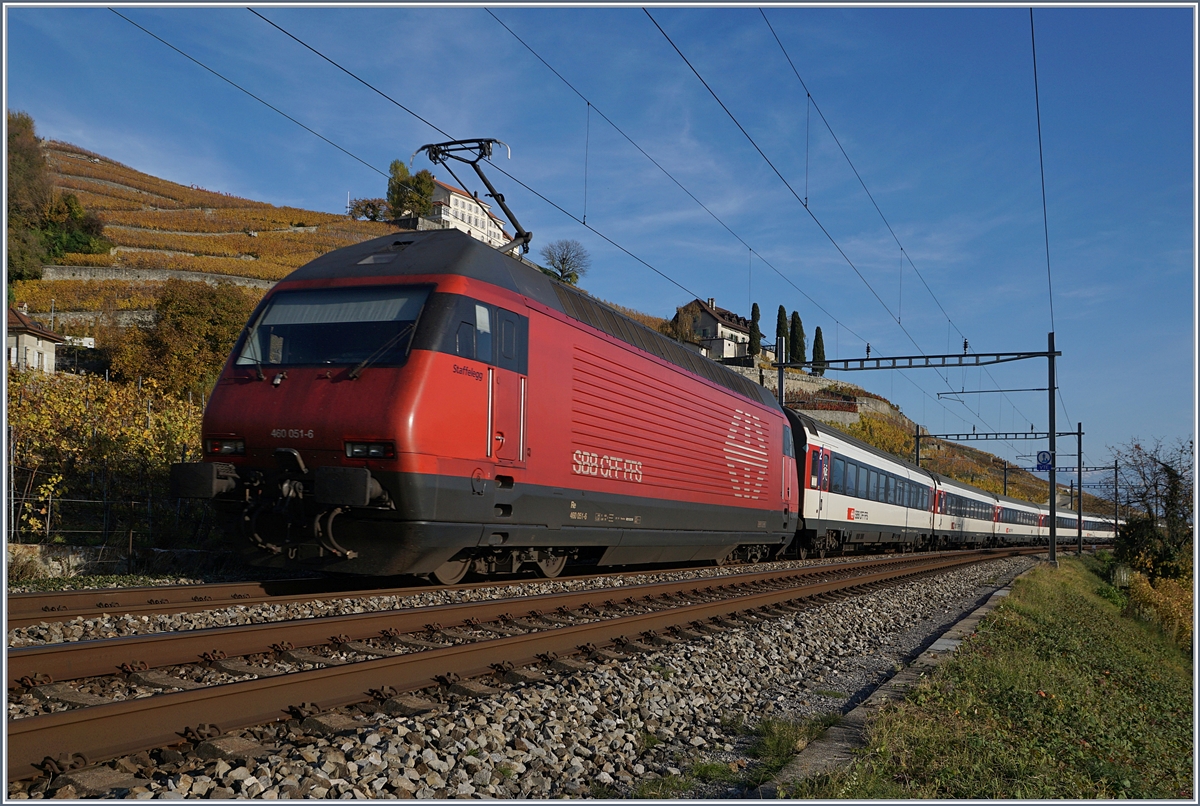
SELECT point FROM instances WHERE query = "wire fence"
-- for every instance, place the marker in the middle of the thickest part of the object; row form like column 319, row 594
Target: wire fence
column 145, row 521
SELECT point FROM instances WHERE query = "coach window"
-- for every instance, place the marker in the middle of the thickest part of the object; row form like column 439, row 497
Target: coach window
column 816, row 468
column 872, row 485
column 838, row 484
column 862, row 482
column 851, row 479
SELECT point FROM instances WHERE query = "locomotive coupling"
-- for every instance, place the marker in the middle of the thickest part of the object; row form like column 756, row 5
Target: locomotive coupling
column 202, row 479
column 345, row 486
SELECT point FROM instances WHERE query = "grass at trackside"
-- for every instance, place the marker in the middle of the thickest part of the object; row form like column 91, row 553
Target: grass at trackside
column 1057, row 696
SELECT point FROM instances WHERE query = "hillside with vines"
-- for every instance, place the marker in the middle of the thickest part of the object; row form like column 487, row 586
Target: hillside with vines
column 156, row 224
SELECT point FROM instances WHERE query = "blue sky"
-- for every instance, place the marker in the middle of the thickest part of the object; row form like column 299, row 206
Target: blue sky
column 934, row 106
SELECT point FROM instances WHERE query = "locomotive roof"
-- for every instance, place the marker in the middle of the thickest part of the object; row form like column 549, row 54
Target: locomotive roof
column 450, row 251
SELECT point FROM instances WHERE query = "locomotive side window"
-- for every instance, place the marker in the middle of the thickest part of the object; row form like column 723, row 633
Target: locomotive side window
column 513, row 341
column 464, row 340
column 483, row 333
column 372, row 324
column 466, row 327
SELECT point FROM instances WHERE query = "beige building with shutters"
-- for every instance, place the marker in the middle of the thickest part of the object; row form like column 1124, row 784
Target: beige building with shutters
column 30, row 344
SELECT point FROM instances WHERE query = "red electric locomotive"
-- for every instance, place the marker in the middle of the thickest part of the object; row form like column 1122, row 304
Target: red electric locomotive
column 421, row 403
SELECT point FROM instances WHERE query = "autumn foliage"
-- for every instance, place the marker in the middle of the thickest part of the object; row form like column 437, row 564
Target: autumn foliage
column 184, row 350
column 80, row 438
column 1166, row 602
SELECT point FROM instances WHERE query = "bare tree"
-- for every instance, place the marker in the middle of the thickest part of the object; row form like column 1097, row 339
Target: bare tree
column 1149, row 470
column 568, row 258
column 1156, row 488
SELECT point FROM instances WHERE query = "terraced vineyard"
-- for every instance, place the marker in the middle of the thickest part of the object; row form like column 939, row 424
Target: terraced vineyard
column 157, row 224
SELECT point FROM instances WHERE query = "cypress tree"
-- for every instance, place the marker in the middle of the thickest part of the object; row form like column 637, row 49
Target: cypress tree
column 796, row 345
column 818, row 353
column 755, row 333
column 781, row 332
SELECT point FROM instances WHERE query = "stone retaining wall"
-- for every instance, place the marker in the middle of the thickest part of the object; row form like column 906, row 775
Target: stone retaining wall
column 118, row 273
column 794, row 383
column 118, row 318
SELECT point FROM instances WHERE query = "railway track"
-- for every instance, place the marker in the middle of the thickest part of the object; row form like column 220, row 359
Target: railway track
column 266, row 672
column 25, row 609
column 28, row 609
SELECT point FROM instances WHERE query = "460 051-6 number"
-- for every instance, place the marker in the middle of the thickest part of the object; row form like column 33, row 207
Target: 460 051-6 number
column 292, row 433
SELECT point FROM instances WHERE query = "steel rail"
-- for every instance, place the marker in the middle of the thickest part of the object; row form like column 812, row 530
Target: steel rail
column 111, row 730
column 78, row 659
column 25, row 609
column 28, row 609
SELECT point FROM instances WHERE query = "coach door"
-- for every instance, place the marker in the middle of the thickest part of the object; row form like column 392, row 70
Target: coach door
column 818, row 477
column 508, row 402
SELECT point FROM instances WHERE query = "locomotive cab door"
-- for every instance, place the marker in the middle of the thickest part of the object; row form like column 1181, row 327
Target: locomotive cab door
column 508, row 389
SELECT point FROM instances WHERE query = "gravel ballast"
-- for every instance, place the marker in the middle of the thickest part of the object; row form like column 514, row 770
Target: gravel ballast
column 607, row 730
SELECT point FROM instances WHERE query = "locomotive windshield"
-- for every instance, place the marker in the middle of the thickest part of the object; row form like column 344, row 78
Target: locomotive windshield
column 335, row 326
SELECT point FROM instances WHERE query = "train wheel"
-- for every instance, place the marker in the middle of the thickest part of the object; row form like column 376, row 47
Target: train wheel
column 552, row 566
column 451, row 572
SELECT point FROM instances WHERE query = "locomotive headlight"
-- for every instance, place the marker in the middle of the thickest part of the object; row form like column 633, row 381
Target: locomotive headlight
column 227, row 447
column 370, row 450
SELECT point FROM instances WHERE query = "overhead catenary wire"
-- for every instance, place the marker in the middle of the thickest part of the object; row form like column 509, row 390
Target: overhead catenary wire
column 445, row 134
column 1037, row 105
column 904, row 255
column 669, row 175
column 201, row 64
column 771, row 165
column 1041, row 167
column 817, row 221
column 364, row 162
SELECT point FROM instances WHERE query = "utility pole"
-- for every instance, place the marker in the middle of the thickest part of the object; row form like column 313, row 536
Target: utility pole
column 1053, row 455
column 779, row 348
column 1005, row 466
column 1116, row 499
column 1079, row 486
